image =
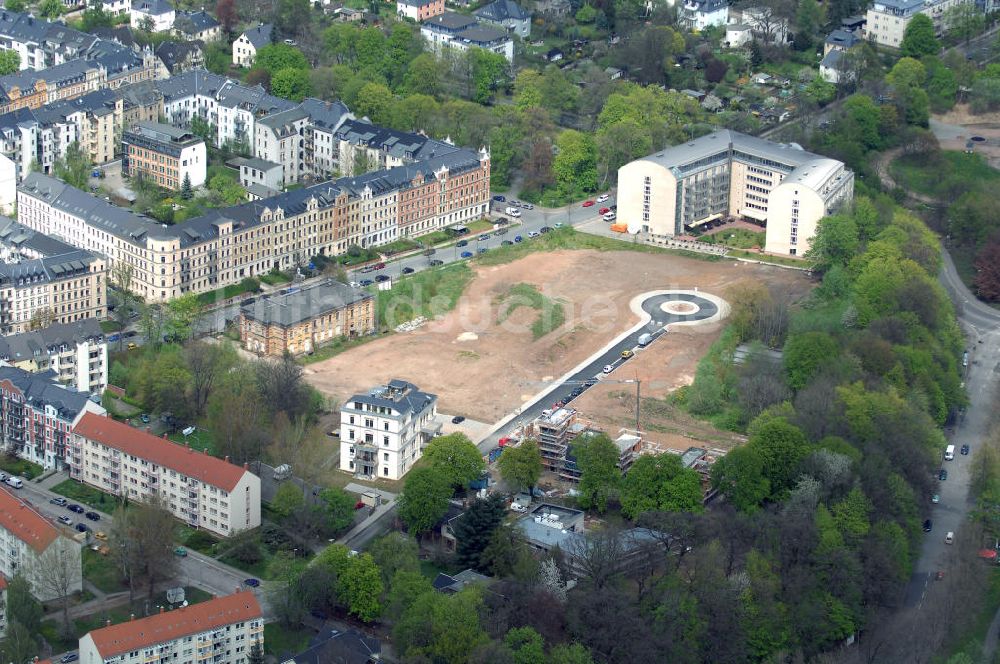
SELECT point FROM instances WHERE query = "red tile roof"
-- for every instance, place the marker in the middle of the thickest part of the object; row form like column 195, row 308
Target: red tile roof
column 25, row 523
column 170, row 625
column 138, row 443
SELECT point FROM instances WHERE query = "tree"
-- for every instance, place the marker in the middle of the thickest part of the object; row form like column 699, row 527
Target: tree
column 141, row 541
column 235, row 414
column 489, row 72
column 207, row 363
column 291, row 18
column 283, row 389
column 404, row 590
column 919, row 38
column 284, row 589
column 256, row 654
column 292, row 84
column 50, row 9
column 15, row 5
column 660, row 482
column 225, row 12
column 836, row 242
column 393, row 553
column 739, row 476
column 58, row 574
column 19, row 643
column 600, row 476
column 572, row 653
column 287, row 499
column 441, row 628
column 521, row 466
column 424, row 499
column 187, row 192
column 474, row 529
column 374, row 101
column 987, row 279
column 805, row 354
column 182, row 314
column 22, row 607
column 75, row 165
column 359, row 585
column 527, row 645
column 425, row 75
column 10, row 62
column 41, row 318
column 575, row 166
column 456, row 457
column 963, row 21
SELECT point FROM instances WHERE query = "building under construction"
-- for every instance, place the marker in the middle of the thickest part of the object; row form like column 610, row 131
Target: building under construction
column 557, row 428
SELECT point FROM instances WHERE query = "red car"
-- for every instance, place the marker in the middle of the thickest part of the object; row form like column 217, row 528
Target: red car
column 588, row 204
column 604, row 210
column 379, row 266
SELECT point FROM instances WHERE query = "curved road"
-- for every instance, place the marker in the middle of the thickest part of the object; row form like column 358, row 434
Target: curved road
column 593, row 369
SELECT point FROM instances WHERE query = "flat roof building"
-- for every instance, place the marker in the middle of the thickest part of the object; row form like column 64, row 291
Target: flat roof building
column 166, row 155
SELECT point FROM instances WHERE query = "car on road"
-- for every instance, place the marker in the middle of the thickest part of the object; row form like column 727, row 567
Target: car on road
column 145, row 418
column 608, row 368
column 354, row 284
column 366, row 282
column 60, row 501
column 614, row 208
column 382, row 277
column 942, row 474
column 466, row 254
column 75, row 508
column 501, row 231
column 114, row 337
column 506, row 243
column 407, row 270
column 253, row 583
column 93, row 516
column 462, row 243
column 180, row 552
column 928, row 525
column 627, row 353
column 545, row 229
column 602, row 198
column 518, row 238
column 458, row 419
column 527, row 206
column 610, row 216
column 588, row 204
column 100, row 535
column 483, row 250
column 379, row 266
column 965, row 449
column 436, row 262
column 533, row 233
column 604, row 210
column 513, row 212
column 558, row 224
column 500, row 199
column 82, row 528
column 3, row 477
column 367, row 268
column 66, row 521
column 69, row 657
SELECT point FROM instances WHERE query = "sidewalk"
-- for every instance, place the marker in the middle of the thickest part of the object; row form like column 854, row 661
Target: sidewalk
column 52, row 480
column 388, row 504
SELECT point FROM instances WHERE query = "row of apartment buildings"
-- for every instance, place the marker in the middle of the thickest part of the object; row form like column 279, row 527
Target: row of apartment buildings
column 77, row 353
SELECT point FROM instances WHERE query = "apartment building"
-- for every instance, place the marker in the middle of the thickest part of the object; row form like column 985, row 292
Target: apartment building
column 887, row 19
column 41, row 43
column 383, row 432
column 227, row 245
column 246, row 45
column 260, row 175
column 320, row 145
column 77, row 353
column 31, row 544
column 3, row 606
column 140, row 102
column 27, row 142
column 221, row 631
column 362, row 147
column 38, row 414
column 728, row 174
column 199, row 25
column 419, row 10
column 97, row 118
column 462, row 32
column 152, row 15
column 163, row 154
column 506, row 15
column 302, row 321
column 701, row 14
column 279, row 138
column 199, row 489
column 32, row 89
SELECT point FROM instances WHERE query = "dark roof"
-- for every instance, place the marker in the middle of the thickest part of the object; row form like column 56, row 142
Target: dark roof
column 398, row 395
column 450, row 22
column 261, row 35
column 326, row 114
column 25, row 346
column 350, row 647
column 143, row 93
column 71, row 72
column 173, row 54
column 502, row 10
column 481, row 34
column 49, row 268
column 119, row 33
column 192, row 23
column 15, row 235
column 842, row 38
column 305, row 304
column 152, row 7
column 42, row 389
column 255, row 162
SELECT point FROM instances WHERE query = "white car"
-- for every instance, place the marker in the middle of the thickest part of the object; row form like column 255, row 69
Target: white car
column 602, row 198
column 65, row 520
column 513, row 211
column 608, row 368
column 610, row 216
column 558, row 224
column 533, row 234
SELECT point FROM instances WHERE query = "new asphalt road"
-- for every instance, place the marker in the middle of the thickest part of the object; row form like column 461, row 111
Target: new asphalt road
column 592, row 371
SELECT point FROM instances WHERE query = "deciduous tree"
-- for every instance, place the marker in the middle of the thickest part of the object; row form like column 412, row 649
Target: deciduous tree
column 919, row 38
column 10, row 62
column 424, row 499
column 597, row 458
column 521, row 466
column 225, row 12
column 456, row 457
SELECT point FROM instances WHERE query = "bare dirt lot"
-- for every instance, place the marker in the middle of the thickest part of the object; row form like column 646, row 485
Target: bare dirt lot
column 958, row 125
column 484, row 369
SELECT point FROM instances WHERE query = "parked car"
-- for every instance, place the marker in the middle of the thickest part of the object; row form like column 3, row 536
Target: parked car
column 366, row 282
column 500, row 199
column 527, row 206
column 501, row 231
column 545, row 229
column 382, row 277
column 935, row 499
column 380, row 266
column 458, row 419
column 627, row 354
column 483, row 250
column 132, row 346
column 518, row 238
column 60, row 501
column 533, row 234
column 436, row 262
column 180, row 552
column 75, row 508
column 588, row 204
column 466, row 254
column 14, row 482
column 66, row 521
column 407, row 270
column 93, row 516
column 965, row 449
column 943, row 475
column 506, row 243
column 145, row 418
column 558, row 224
column 602, row 198
column 70, row 656
column 462, row 243
column 513, row 212
column 114, row 337
column 610, row 216
column 82, row 528
column 253, row 583
column 927, row 525
column 367, row 268
column 604, row 210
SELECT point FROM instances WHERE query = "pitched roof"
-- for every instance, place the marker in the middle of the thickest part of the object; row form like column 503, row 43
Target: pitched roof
column 41, row 390
column 161, row 451
column 260, row 36
column 24, row 523
column 152, row 7
column 502, row 10
column 350, row 647
column 27, row 345
column 305, row 304
column 170, row 625
column 194, row 22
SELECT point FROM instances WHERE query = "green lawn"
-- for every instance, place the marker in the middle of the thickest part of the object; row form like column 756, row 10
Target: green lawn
column 247, row 286
column 199, row 441
column 196, row 540
column 81, row 493
column 550, row 312
column 258, row 569
column 336, row 347
column 20, row 467
column 51, row 631
column 437, row 237
column 738, row 238
column 428, row 293
column 789, row 261
column 283, row 641
column 399, row 246
column 569, row 238
column 480, row 225
column 109, row 326
column 275, row 278
column 970, row 634
column 939, row 177
column 102, row 572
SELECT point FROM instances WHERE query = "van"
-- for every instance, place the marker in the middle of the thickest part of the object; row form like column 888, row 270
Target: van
column 949, row 538
column 949, row 453
column 645, row 340
column 15, row 482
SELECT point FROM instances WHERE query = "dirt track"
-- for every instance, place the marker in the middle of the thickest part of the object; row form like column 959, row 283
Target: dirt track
column 483, row 370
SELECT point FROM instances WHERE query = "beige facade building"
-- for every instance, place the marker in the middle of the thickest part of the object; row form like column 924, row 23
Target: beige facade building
column 76, row 352
column 199, row 489
column 227, row 245
column 33, row 545
column 728, row 174
column 60, row 289
column 302, row 321
column 219, row 631
column 887, row 19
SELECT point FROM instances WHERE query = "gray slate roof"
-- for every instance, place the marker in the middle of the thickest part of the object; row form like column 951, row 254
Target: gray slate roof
column 152, row 7
column 450, row 22
column 173, row 54
column 502, row 10
column 407, row 399
column 305, row 304
column 15, row 235
column 194, row 22
column 481, row 34
column 260, row 36
column 42, row 389
column 842, row 38
column 25, row 346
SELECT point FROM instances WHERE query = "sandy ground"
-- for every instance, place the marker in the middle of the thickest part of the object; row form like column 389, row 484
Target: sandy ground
column 954, row 128
column 483, row 369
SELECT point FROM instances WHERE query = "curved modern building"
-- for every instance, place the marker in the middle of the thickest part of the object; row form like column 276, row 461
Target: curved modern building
column 728, row 174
